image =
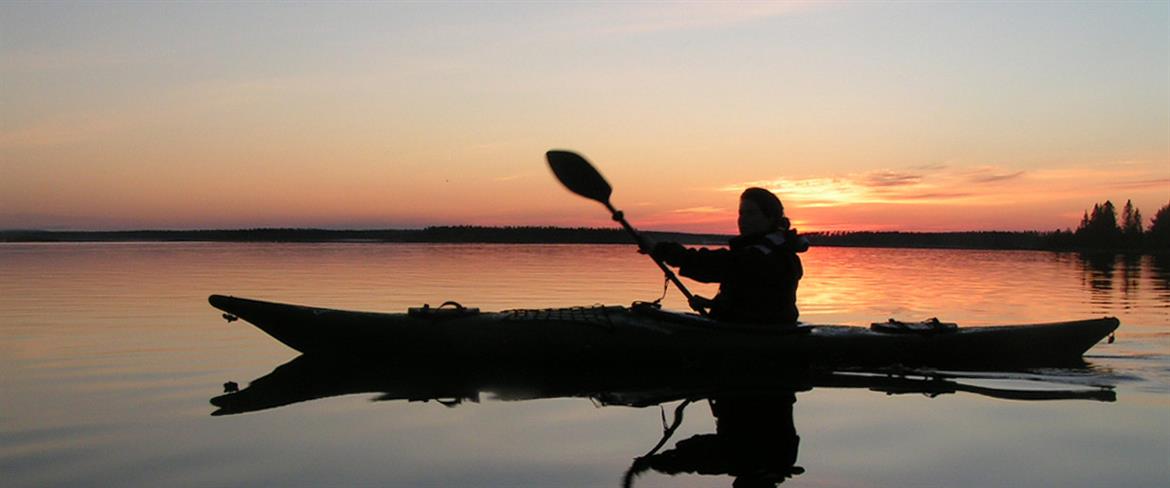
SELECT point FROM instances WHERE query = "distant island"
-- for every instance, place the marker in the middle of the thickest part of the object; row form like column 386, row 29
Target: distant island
column 1098, row 231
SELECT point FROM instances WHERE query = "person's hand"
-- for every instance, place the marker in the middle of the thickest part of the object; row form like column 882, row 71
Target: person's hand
column 698, row 302
column 668, row 252
column 645, row 244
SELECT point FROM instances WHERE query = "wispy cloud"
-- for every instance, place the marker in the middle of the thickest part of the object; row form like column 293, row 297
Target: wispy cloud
column 973, row 186
column 862, row 188
column 935, row 196
column 1154, row 183
column 990, row 175
column 892, row 178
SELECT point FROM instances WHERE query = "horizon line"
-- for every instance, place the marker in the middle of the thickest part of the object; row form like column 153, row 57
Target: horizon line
column 502, row 227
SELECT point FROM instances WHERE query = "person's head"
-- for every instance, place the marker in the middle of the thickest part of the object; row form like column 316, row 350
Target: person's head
column 760, row 212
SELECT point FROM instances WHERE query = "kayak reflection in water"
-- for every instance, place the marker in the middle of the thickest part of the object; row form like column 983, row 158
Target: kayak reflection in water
column 758, row 274
column 755, row 441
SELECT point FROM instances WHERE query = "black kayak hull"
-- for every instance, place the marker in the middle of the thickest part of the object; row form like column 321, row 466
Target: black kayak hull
column 621, row 335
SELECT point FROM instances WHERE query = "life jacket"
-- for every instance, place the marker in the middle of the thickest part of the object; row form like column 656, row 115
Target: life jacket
column 760, row 282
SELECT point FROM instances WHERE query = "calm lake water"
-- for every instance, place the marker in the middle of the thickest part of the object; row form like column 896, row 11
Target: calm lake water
column 109, row 355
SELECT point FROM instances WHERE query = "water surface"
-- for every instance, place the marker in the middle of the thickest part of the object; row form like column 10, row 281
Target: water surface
column 109, row 355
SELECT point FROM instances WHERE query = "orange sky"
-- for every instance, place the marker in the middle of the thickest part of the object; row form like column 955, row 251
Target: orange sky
column 859, row 115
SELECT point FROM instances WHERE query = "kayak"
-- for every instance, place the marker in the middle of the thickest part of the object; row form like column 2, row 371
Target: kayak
column 645, row 334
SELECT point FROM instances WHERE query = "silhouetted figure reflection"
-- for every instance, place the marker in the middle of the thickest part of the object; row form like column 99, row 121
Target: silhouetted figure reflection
column 755, row 441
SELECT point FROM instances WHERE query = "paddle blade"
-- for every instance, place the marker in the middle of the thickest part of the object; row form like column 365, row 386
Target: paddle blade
column 579, row 176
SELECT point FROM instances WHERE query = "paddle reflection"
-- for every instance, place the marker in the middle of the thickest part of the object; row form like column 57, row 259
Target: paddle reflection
column 755, row 440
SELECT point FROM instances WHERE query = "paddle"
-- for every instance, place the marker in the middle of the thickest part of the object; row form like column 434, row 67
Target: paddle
column 582, row 178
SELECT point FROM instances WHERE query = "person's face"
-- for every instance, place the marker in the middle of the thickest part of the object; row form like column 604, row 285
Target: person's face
column 752, row 220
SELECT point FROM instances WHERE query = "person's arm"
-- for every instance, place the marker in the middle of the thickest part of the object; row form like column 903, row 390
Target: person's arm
column 704, row 265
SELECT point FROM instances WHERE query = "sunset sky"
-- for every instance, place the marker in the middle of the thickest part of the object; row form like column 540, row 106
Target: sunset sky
column 860, row 115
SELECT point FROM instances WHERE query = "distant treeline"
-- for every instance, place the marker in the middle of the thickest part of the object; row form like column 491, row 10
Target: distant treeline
column 1099, row 230
column 934, row 240
column 438, row 234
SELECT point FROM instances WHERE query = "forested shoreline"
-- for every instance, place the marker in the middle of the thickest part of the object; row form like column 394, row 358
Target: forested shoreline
column 1100, row 229
column 437, row 234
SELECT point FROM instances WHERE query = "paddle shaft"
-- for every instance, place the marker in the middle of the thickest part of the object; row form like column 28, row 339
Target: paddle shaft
column 621, row 218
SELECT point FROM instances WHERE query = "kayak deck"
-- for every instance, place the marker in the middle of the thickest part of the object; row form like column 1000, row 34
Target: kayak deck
column 644, row 334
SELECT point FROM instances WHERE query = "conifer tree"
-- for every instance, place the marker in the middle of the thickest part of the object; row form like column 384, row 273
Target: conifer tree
column 1106, row 222
column 1159, row 232
column 1131, row 224
column 1100, row 228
